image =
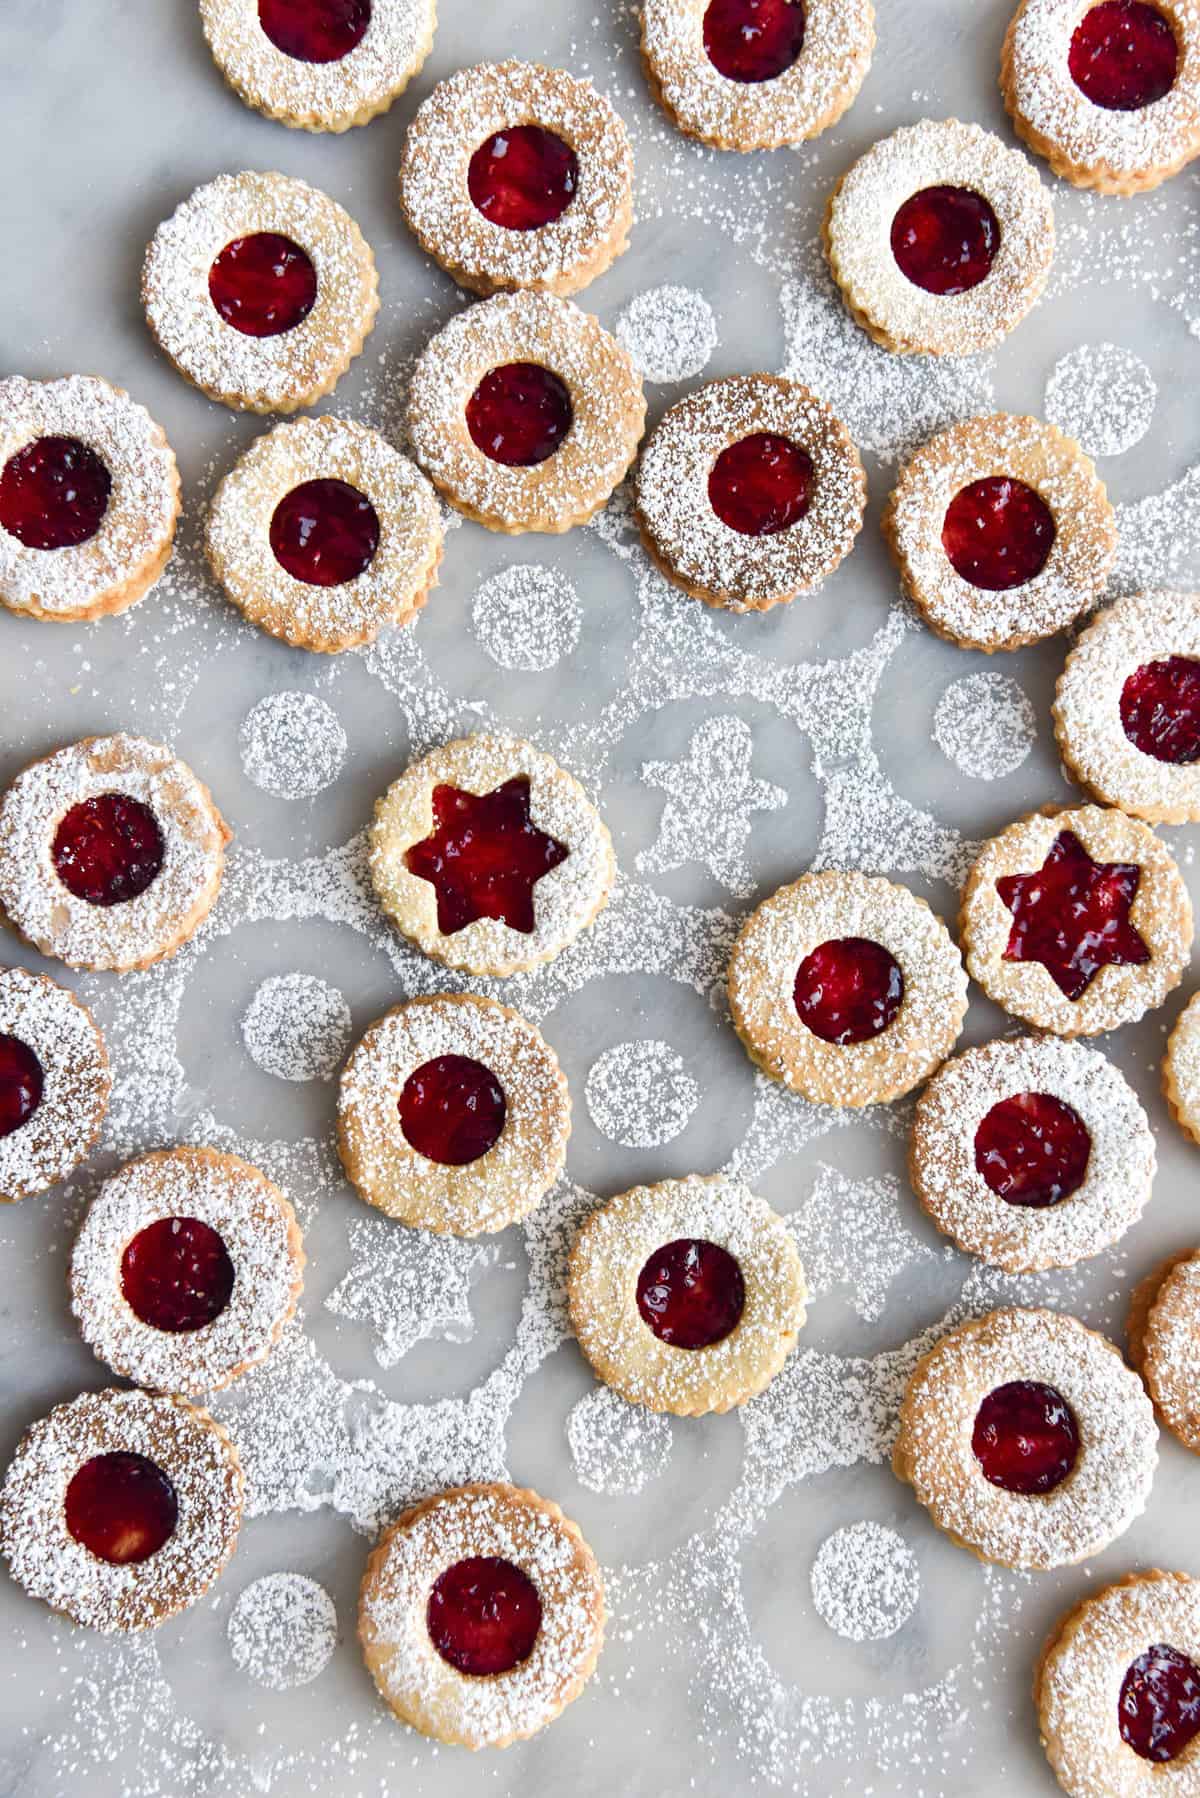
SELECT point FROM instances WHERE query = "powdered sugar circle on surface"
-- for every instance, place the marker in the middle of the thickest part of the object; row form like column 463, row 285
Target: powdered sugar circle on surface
column 292, row 745
column 865, row 1582
column 640, row 1094
column 669, row 331
column 1103, row 396
column 297, row 1027
column 985, row 725
column 527, row 617
column 617, row 1448
column 283, row 1630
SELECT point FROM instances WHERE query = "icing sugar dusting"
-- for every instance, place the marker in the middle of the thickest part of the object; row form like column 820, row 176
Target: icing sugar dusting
column 985, row 725
column 640, row 1094
column 865, row 1582
column 1103, row 396
column 669, row 331
column 297, row 1027
column 283, row 1630
column 855, row 1234
column 712, row 798
column 527, row 617
column 293, row 745
column 617, row 1448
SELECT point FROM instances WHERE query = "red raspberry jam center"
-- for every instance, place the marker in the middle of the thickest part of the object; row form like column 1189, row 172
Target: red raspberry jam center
column 1160, row 709
column 54, row 493
column 21, row 1084
column 848, row 990
column 484, row 1615
column 523, row 178
column 1158, row 1712
column 176, row 1274
column 945, row 239
column 263, row 284
column 1072, row 915
column 484, row 856
column 519, row 414
column 1031, row 1149
column 753, row 40
column 452, row 1110
column 998, row 533
column 1124, row 55
column 761, row 484
column 315, row 30
column 691, row 1293
column 1025, row 1438
column 324, row 533
column 121, row 1507
column 108, row 849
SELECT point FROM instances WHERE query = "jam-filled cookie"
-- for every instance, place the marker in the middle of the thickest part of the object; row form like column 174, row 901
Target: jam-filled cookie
column 54, row 1083
column 940, row 238
column 1027, row 1439
column 749, row 492
column 848, row 989
column 687, row 1296
column 1076, row 920
column 453, row 1115
column 518, row 176
column 482, row 1615
column 111, row 853
column 1164, row 1345
column 1181, row 1069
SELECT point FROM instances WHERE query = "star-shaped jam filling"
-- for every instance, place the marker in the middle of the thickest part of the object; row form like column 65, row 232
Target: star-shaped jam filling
column 1073, row 915
column 484, row 856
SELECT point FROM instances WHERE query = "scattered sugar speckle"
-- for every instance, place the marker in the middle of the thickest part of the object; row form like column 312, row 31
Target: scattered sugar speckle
column 985, row 725
column 617, row 1448
column 1103, row 396
column 297, row 1027
column 865, row 1582
column 669, row 331
column 282, row 1630
column 293, row 745
column 640, row 1094
column 527, row 617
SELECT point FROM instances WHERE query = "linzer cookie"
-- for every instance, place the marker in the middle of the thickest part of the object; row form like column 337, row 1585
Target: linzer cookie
column 1181, row 1069
column 54, row 1083
column 1164, row 1344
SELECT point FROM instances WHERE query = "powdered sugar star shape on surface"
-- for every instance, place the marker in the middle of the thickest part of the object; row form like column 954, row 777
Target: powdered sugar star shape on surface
column 711, row 801
column 855, row 1233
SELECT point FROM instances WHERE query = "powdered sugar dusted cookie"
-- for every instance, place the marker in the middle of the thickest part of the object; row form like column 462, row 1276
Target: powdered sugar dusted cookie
column 54, row 1083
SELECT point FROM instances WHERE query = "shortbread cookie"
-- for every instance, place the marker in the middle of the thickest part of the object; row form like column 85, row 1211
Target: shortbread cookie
column 848, row 989
column 482, row 1615
column 323, row 534
column 1002, row 531
column 54, row 1083
column 453, row 1115
column 120, row 1509
column 1076, row 920
column 317, row 65
column 749, row 492
column 940, row 238
column 525, row 413
column 261, row 290
column 742, row 75
column 111, row 853
column 488, row 856
column 687, row 1296
column 1181, row 1069
column 89, row 498
column 1031, row 1153
column 518, row 176
column 1109, row 94
column 1027, row 1439
column 187, row 1267
column 1164, row 1344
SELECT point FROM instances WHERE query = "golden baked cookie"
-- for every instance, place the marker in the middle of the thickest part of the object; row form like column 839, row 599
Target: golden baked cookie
column 1002, row 531
column 848, row 989
column 1164, row 1343
column 1027, row 1439
column 940, row 238
column 686, row 1296
column 55, row 1083
column 482, row 1615
column 261, row 290
column 322, row 534
column 1076, row 920
column 749, row 492
column 525, row 414
column 453, row 1115
column 489, row 856
column 1031, row 1153
column 516, row 176
column 111, row 853
column 1181, row 1069
column 89, row 498
column 120, row 1509
column 733, row 81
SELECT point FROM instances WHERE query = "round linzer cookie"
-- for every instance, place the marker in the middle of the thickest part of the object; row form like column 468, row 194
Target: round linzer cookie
column 111, row 853
column 743, row 76
column 317, row 65
column 848, row 989
column 1109, row 94
column 54, row 1083
column 1127, row 707
column 186, row 1269
column 1027, row 1439
column 120, row 1509
column 89, row 498
column 749, row 492
column 518, row 176
column 1031, row 1153
column 1118, row 1690
column 482, row 1615
column 1164, row 1344
column 453, row 1115
column 489, row 856
column 1181, row 1069
column 687, row 1296
column 1002, row 531
column 261, row 290
column 940, row 238
column 525, row 414
column 1076, row 920
column 322, row 534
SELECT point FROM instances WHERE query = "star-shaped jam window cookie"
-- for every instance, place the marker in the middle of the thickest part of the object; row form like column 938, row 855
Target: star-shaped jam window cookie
column 1072, row 915
column 484, row 856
